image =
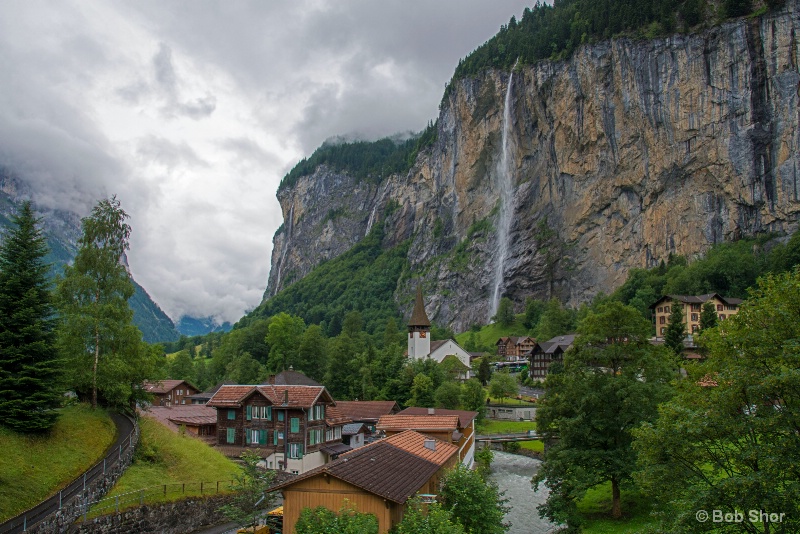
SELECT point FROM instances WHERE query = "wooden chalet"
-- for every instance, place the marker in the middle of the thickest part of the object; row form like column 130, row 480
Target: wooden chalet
column 297, row 428
column 545, row 353
column 513, row 348
column 378, row 479
column 170, row 392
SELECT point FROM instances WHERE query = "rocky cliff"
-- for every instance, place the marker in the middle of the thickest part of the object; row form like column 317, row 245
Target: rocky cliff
column 615, row 158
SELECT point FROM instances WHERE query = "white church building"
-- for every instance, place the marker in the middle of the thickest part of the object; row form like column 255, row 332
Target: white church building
column 420, row 345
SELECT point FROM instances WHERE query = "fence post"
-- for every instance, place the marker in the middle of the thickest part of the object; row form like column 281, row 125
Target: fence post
column 183, row 488
column 120, row 452
column 84, row 481
column 104, row 466
column 141, row 497
column 25, row 523
column 59, row 500
column 201, row 488
column 116, row 503
column 165, row 490
column 217, row 486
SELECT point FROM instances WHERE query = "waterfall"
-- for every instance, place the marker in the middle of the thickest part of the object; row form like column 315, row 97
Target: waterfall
column 505, row 182
column 371, row 220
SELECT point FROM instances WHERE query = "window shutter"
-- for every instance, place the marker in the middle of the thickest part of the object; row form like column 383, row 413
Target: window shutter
column 274, row 437
column 281, row 415
column 231, row 414
column 295, row 424
column 262, row 437
column 231, row 435
column 249, row 412
column 247, row 435
column 269, row 413
column 300, row 450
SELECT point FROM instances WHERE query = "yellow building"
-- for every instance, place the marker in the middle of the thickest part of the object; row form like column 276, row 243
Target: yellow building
column 692, row 307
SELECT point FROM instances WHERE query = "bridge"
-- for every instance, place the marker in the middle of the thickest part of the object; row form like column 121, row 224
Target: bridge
column 530, row 435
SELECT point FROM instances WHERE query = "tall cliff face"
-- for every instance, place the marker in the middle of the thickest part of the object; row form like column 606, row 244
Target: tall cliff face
column 623, row 154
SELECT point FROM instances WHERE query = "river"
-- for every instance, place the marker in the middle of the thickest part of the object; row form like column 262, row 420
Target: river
column 513, row 475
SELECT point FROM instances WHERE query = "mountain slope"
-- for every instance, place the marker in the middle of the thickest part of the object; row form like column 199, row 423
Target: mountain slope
column 555, row 180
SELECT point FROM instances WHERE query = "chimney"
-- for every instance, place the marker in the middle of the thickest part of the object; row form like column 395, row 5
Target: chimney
column 431, row 411
column 430, row 444
column 286, row 397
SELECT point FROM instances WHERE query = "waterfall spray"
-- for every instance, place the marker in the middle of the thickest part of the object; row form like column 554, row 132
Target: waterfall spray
column 505, row 182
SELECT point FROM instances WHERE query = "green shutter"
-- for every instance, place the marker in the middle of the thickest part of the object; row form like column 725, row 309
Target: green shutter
column 231, row 414
column 281, row 414
column 269, row 413
column 231, row 435
column 249, row 412
column 262, row 437
column 300, row 450
column 274, row 437
column 295, row 424
column 247, row 436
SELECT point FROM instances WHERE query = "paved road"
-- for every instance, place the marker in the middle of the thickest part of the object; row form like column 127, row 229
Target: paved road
column 42, row 510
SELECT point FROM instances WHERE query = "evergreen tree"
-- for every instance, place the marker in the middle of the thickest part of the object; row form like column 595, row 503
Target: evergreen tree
column 105, row 352
column 30, row 375
column 676, row 329
column 708, row 317
column 484, row 371
column 505, row 312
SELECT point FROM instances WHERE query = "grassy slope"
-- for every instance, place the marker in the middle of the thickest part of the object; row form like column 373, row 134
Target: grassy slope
column 489, row 426
column 490, row 333
column 34, row 467
column 164, row 457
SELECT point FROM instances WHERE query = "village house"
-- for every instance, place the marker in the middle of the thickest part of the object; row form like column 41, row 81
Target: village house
column 354, row 434
column 378, row 479
column 297, row 428
column 543, row 354
column 692, row 307
column 514, row 348
column 195, row 419
column 170, row 392
column 421, row 347
column 451, row 426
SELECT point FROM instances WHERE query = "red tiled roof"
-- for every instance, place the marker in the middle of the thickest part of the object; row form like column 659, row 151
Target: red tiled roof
column 414, row 442
column 294, row 396
column 418, row 422
column 192, row 414
column 366, row 410
column 334, row 416
column 162, row 386
column 465, row 417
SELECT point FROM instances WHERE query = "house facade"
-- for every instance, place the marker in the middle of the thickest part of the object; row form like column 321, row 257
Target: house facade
column 692, row 307
column 543, row 354
column 378, row 479
column 170, row 392
column 464, row 434
column 514, row 348
column 297, row 428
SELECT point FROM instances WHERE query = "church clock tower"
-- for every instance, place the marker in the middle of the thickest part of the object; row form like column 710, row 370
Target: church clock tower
column 419, row 330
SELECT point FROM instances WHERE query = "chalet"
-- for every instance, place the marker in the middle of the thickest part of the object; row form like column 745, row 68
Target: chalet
column 420, row 345
column 545, row 353
column 692, row 306
column 514, row 348
column 297, row 428
column 378, row 479
column 170, row 392
column 367, row 412
column 203, row 397
column 465, row 431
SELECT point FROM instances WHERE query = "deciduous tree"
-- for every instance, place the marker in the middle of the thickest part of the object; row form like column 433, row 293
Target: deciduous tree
column 503, row 385
column 612, row 380
column 321, row 520
column 431, row 518
column 476, row 503
column 250, row 496
column 30, row 371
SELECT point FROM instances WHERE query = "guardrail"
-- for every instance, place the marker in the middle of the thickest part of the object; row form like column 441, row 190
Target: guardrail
column 67, row 505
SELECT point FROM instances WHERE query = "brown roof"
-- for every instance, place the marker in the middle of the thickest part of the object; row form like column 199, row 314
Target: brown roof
column 418, row 422
column 698, row 299
column 367, row 468
column 414, row 442
column 367, row 410
column 465, row 417
column 192, row 414
column 418, row 315
column 436, row 344
column 334, row 416
column 161, row 387
column 293, row 378
column 297, row 396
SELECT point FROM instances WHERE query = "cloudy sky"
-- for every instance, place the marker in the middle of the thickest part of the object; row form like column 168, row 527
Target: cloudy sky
column 192, row 111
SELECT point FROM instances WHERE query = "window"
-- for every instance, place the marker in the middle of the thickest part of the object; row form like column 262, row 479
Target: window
column 183, row 401
column 721, row 316
column 337, row 432
column 249, row 412
column 295, row 472
column 662, row 320
column 695, row 307
column 694, row 317
column 720, row 307
column 317, row 412
column 231, row 414
column 314, row 436
column 663, row 329
column 254, row 435
column 329, row 434
column 231, row 435
column 666, row 309
column 660, row 309
column 281, row 415
column 694, row 328
column 730, row 308
column 294, row 424
column 296, row 450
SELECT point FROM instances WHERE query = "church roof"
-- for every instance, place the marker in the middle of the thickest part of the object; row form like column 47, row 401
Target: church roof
column 418, row 316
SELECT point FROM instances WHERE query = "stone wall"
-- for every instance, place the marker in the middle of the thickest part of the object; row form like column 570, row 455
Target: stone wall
column 176, row 517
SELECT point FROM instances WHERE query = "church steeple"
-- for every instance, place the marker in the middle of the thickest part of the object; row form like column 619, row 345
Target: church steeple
column 419, row 327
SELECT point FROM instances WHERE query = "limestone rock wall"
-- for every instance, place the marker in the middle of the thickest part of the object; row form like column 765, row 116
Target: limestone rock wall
column 625, row 153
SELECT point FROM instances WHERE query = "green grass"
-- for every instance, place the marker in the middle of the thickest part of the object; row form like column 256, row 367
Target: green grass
column 489, row 426
column 179, row 462
column 596, row 506
column 488, row 335
column 34, row 467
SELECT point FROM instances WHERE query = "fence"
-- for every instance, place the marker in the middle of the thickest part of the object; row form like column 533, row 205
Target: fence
column 61, row 509
column 153, row 494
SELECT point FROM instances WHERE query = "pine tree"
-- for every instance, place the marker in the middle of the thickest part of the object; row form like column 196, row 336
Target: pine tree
column 30, row 375
column 676, row 329
column 708, row 317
